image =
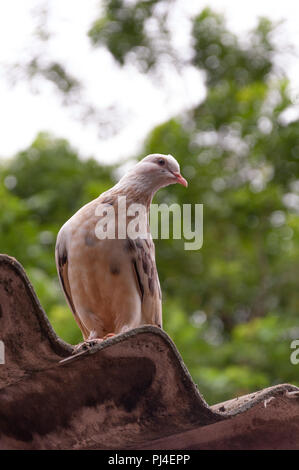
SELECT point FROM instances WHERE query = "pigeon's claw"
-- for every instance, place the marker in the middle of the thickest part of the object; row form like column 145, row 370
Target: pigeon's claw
column 86, row 345
column 90, row 343
column 109, row 335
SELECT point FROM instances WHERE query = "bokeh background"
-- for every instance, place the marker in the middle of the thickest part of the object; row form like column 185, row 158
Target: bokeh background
column 87, row 88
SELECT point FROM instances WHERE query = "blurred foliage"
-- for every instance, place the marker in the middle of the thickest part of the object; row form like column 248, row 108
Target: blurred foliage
column 55, row 73
column 232, row 307
column 123, row 27
column 42, row 186
column 135, row 31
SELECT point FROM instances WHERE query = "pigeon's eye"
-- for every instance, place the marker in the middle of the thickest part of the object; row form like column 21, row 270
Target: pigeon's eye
column 161, row 162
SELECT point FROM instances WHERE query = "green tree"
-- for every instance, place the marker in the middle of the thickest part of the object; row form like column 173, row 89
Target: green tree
column 232, row 306
column 240, row 157
column 41, row 187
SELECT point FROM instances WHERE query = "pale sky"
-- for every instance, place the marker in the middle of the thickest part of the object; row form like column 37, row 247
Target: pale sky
column 143, row 103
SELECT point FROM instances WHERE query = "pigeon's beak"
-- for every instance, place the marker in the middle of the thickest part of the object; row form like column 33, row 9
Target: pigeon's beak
column 180, row 179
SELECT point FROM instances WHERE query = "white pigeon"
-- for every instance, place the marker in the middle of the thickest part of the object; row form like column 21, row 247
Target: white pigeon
column 112, row 285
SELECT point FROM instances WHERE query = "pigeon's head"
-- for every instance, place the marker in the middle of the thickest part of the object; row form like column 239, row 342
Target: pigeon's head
column 159, row 170
column 149, row 175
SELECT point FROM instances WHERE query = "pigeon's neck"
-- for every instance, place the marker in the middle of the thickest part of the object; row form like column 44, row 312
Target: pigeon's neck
column 137, row 190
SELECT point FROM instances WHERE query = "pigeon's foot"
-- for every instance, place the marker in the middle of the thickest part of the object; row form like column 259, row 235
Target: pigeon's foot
column 109, row 335
column 86, row 345
column 90, row 343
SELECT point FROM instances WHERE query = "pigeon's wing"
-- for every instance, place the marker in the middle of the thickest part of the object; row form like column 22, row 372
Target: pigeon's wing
column 142, row 252
column 61, row 257
column 140, row 257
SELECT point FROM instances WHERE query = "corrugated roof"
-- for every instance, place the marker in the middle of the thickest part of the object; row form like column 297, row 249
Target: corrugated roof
column 133, row 391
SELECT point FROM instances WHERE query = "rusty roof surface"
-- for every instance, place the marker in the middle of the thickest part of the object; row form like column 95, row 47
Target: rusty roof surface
column 133, row 391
